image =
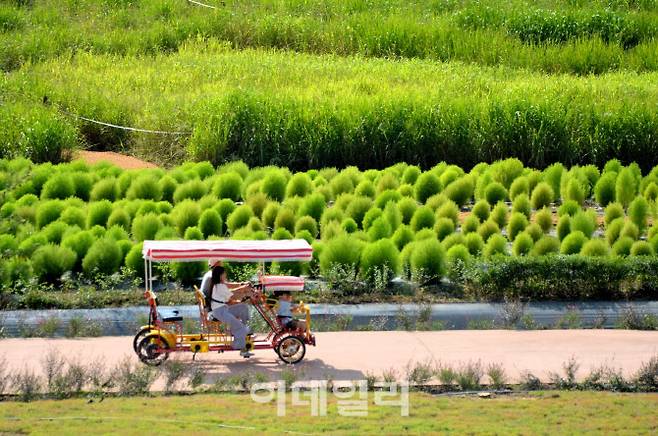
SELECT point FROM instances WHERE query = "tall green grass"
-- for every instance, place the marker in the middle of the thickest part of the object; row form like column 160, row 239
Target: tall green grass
column 302, row 111
column 561, row 36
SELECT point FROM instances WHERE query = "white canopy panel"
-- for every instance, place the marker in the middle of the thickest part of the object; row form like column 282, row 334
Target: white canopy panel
column 289, row 250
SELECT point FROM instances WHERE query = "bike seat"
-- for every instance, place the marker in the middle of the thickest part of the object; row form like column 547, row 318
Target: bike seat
column 170, row 316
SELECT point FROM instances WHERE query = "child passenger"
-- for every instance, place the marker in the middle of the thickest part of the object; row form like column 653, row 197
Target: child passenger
column 285, row 312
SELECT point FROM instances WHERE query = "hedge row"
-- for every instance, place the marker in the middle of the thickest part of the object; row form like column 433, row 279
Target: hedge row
column 562, row 278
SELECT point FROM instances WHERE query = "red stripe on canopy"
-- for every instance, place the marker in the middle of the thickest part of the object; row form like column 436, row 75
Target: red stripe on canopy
column 235, row 250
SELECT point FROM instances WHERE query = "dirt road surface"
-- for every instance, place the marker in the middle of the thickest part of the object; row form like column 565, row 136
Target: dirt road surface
column 352, row 355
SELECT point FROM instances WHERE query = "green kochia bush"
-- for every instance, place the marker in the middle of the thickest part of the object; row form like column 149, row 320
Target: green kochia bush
column 210, row 223
column 103, row 257
column 99, row 213
column 381, row 257
column 427, row 261
column 59, row 186
column 427, row 185
column 423, row 218
column 542, row 195
column 51, row 261
column 342, row 252
column 573, row 243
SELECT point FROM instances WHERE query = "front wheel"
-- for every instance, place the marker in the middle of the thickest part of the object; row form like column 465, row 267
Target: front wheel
column 291, row 349
column 139, row 336
column 153, row 350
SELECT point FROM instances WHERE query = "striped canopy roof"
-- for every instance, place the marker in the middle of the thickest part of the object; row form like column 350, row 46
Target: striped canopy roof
column 288, row 250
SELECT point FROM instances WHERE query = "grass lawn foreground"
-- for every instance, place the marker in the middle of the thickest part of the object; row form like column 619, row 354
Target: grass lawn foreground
column 534, row 413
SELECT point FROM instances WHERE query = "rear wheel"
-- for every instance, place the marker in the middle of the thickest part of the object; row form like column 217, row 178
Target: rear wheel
column 153, row 350
column 291, row 349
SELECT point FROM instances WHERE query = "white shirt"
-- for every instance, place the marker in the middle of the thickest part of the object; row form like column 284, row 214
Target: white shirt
column 220, row 292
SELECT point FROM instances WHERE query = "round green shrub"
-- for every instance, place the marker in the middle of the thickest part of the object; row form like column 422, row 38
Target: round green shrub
column 542, row 195
column 423, row 218
column 488, row 229
column 299, row 185
column 584, row 221
column 574, row 191
column 604, row 190
column 16, row 270
column 286, row 219
column 569, row 208
column 407, row 207
column 641, row 248
column 8, row 245
column 499, row 214
column 379, row 229
column 546, row 245
column 595, row 248
column 544, row 219
column 387, row 196
column 653, row 242
column 457, row 253
column 192, row 190
column 519, row 186
column 145, row 187
column 228, row 186
column 358, row 207
column 370, row 217
column 534, row 231
column 426, row 185
column 313, row 205
column 366, row 189
column 444, row 227
column 553, row 177
column 119, row 217
column 269, row 214
column 241, row 216
column 99, row 213
column 427, row 261
column 622, row 247
column 481, row 210
column 517, row 223
column 168, row 186
column 612, row 212
column 411, row 174
column 613, row 230
column 59, row 186
column 54, row 231
column 460, row 191
column 145, row 227
column 193, row 234
column 612, row 166
column 521, row 204
column 146, row 206
column 343, row 252
column 470, row 224
column 402, row 236
column 625, row 187
column 393, row 215
column 83, row 184
column 349, row 225
column 204, row 169
column 651, row 192
column 630, row 230
column 449, row 210
column 165, row 233
column 103, row 257
column 330, row 214
column 210, row 223
column 496, row 245
column 305, row 235
column 74, row 216
column 97, row 231
column 380, row 257
column 454, row 239
column 523, row 244
column 255, row 225
column 117, row 233
column 495, row 192
column 307, row 223
column 29, row 245
column 188, row 273
column 406, row 190
column 474, row 243
column 50, row 261
column 341, row 184
column 573, row 243
column 638, row 212
column 48, row 211
column 563, row 227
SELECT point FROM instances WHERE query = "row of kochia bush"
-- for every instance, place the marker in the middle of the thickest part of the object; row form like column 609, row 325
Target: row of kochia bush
column 400, row 220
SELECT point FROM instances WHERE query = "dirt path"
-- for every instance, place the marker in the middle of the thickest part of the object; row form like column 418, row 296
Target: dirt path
column 351, row 355
column 120, row 160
